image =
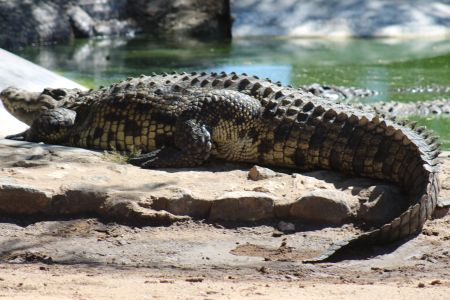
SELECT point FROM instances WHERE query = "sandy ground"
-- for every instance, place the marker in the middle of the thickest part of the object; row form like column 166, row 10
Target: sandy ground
column 89, row 259
column 80, row 282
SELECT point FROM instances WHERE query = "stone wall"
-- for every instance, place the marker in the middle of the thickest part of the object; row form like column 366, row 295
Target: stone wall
column 341, row 18
column 25, row 23
column 28, row 22
column 199, row 18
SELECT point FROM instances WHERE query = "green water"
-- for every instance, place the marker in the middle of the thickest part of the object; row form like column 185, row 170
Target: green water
column 383, row 65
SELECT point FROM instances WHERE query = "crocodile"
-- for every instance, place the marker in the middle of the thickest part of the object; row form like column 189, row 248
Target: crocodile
column 438, row 107
column 181, row 120
column 339, row 93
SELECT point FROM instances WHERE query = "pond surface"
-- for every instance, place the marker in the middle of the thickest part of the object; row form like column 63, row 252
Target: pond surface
column 388, row 66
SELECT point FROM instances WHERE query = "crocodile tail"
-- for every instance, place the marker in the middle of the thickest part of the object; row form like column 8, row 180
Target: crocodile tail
column 439, row 107
column 420, row 181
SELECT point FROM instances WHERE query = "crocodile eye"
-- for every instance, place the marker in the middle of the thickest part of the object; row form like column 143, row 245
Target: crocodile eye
column 59, row 93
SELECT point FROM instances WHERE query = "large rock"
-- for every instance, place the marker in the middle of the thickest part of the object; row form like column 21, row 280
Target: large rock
column 379, row 204
column 243, row 206
column 337, row 18
column 324, row 206
column 24, row 23
column 82, row 23
column 259, row 173
column 197, row 18
column 38, row 179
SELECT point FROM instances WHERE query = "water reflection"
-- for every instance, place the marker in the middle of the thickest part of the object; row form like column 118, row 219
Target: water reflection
column 383, row 65
column 380, row 64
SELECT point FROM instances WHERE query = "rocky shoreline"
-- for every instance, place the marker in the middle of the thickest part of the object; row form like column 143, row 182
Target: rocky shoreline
column 338, row 19
column 47, row 180
column 32, row 22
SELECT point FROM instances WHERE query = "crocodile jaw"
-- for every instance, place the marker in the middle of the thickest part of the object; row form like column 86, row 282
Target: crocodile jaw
column 24, row 105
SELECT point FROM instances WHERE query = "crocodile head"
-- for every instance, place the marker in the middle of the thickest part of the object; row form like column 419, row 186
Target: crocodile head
column 26, row 106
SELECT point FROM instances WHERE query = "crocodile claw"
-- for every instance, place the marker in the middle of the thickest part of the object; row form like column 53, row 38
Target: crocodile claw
column 144, row 159
column 16, row 137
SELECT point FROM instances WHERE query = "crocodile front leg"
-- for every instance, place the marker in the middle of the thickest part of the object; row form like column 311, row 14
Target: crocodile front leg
column 52, row 126
column 192, row 147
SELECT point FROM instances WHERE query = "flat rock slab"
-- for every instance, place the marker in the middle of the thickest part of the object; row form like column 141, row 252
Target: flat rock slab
column 38, row 179
column 18, row 72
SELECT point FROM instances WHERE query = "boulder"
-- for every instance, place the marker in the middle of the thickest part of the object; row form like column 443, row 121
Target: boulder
column 82, row 23
column 258, row 173
column 335, row 18
column 24, row 23
column 286, row 227
column 243, row 206
column 380, row 204
column 323, row 207
column 48, row 180
column 194, row 18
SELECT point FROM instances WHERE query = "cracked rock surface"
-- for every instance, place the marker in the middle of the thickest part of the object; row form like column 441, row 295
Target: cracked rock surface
column 48, row 180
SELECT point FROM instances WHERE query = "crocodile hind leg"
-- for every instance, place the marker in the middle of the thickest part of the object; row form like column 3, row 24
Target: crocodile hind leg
column 192, row 147
column 51, row 126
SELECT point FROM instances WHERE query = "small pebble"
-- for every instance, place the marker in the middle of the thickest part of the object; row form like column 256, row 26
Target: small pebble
column 435, row 282
column 196, row 279
column 286, row 226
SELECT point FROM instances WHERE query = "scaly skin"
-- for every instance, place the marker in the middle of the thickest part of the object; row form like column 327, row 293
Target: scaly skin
column 439, row 107
column 338, row 93
column 180, row 120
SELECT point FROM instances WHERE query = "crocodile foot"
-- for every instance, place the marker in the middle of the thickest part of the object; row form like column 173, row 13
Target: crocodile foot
column 166, row 157
column 17, row 136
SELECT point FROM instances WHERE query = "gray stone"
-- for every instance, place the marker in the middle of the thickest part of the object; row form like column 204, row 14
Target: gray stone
column 182, row 202
column 78, row 199
column 23, row 23
column 440, row 212
column 324, row 207
column 328, row 18
column 68, row 185
column 114, row 27
column 195, row 18
column 243, row 206
column 286, row 226
column 23, row 199
column 44, row 21
column 380, row 204
column 126, row 208
column 443, row 202
column 82, row 23
column 258, row 173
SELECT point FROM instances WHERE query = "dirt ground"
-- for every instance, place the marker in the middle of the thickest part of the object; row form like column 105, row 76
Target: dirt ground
column 84, row 257
column 90, row 259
